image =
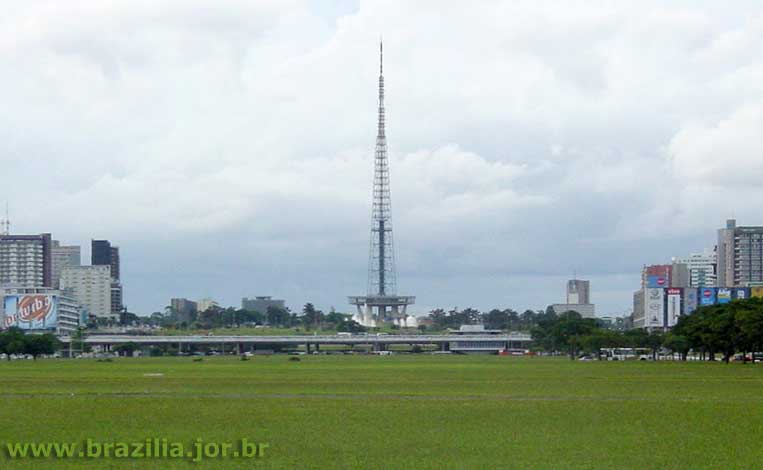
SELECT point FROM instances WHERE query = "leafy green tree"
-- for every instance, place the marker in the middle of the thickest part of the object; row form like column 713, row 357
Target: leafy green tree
column 37, row 345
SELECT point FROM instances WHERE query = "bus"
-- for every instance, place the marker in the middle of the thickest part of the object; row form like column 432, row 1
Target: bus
column 626, row 354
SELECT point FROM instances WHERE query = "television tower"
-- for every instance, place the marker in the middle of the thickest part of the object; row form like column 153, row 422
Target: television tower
column 381, row 304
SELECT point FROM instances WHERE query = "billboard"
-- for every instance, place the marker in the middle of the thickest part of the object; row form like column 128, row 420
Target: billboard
column 707, row 296
column 756, row 291
column 656, row 281
column 691, row 299
column 723, row 295
column 740, row 293
column 673, row 305
column 655, row 308
column 31, row 311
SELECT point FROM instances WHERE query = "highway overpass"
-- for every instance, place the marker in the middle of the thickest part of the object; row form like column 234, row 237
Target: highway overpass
column 452, row 342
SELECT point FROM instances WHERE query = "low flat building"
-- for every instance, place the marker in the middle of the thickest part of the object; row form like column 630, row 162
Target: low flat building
column 261, row 303
column 585, row 310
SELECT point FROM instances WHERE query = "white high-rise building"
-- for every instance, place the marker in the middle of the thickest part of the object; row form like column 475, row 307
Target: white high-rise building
column 63, row 257
column 701, row 267
column 91, row 287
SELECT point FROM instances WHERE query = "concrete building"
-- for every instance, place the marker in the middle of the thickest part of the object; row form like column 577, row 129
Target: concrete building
column 60, row 314
column 261, row 304
column 701, row 267
column 585, row 310
column 740, row 255
column 679, row 275
column 91, row 287
column 578, row 291
column 63, row 257
column 203, row 305
column 25, row 260
column 184, row 308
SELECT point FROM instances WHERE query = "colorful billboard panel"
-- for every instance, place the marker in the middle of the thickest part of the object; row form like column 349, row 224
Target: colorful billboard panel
column 31, row 311
column 655, row 307
column 723, row 295
column 756, row 291
column 707, row 296
column 690, row 301
column 673, row 305
column 654, row 282
column 740, row 293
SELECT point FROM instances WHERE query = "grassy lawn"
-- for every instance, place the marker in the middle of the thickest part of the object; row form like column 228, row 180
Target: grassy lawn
column 415, row 412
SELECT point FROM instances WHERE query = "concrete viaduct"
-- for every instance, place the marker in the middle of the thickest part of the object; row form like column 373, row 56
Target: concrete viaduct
column 241, row 344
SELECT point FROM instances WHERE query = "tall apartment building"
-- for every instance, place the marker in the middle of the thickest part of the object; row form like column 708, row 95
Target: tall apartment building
column 102, row 253
column 701, row 267
column 25, row 260
column 578, row 292
column 740, row 255
column 63, row 257
column 91, row 287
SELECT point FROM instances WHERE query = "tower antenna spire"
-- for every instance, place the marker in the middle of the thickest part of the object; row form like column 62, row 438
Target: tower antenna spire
column 381, row 302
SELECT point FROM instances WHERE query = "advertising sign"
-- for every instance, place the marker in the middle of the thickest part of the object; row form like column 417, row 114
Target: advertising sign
column 740, row 293
column 756, row 291
column 656, row 281
column 707, row 296
column 655, row 307
column 724, row 295
column 31, row 311
column 690, row 301
column 673, row 305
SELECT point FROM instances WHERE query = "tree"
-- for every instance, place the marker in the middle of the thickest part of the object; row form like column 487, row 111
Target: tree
column 677, row 344
column 126, row 349
column 40, row 344
column 311, row 318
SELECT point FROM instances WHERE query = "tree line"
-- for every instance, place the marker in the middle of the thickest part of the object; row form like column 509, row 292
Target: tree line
column 218, row 317
column 725, row 329
column 13, row 341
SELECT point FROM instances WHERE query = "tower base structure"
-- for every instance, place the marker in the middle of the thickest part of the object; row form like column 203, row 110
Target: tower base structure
column 376, row 310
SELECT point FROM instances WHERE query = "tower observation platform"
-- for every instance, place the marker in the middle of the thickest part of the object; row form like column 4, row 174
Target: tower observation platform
column 381, row 304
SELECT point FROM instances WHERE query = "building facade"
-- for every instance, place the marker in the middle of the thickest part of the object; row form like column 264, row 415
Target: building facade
column 63, row 257
column 39, row 309
column 91, row 287
column 740, row 255
column 261, row 304
column 702, row 268
column 102, row 253
column 585, row 310
column 26, row 260
column 184, row 308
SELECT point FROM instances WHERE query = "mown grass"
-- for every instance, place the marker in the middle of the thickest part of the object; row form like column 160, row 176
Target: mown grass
column 417, row 412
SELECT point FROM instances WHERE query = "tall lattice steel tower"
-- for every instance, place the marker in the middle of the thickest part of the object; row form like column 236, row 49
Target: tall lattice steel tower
column 381, row 302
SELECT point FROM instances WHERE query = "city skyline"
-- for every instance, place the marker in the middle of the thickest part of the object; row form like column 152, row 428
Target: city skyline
column 235, row 160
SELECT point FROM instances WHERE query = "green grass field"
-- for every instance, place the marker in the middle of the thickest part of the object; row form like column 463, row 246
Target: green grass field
column 415, row 412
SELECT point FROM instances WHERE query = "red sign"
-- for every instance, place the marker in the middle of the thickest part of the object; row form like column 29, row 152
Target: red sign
column 707, row 292
column 674, row 291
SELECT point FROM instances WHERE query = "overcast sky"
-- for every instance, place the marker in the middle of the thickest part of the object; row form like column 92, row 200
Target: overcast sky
column 227, row 147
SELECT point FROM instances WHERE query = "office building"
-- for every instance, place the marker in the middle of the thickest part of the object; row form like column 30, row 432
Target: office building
column 63, row 257
column 203, row 305
column 701, row 267
column 91, row 287
column 740, row 255
column 25, row 260
column 656, row 275
column 578, row 291
column 102, row 253
column 261, row 304
column 184, row 308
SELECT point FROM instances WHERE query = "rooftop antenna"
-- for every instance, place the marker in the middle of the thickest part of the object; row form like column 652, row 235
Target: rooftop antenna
column 5, row 224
